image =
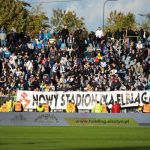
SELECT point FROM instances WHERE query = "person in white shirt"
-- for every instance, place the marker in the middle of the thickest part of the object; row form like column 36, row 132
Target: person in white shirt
column 3, row 39
column 29, row 65
column 99, row 34
column 62, row 68
column 55, row 69
column 139, row 45
column 103, row 64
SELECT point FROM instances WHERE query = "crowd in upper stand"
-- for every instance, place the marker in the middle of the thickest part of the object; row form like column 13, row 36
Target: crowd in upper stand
column 76, row 61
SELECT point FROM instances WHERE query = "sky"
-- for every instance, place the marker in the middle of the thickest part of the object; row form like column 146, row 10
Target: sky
column 92, row 10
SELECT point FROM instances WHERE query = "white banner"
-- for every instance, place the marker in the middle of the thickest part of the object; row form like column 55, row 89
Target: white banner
column 84, row 100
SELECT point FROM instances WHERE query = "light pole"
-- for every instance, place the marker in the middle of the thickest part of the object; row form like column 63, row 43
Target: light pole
column 104, row 11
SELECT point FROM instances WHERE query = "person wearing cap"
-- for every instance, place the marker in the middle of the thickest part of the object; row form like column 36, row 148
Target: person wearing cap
column 97, row 108
column 18, row 107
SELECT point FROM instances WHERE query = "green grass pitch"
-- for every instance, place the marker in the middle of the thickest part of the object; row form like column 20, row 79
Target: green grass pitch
column 74, row 138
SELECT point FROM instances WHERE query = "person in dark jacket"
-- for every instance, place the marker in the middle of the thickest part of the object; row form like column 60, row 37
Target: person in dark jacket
column 84, row 36
column 109, row 34
column 64, row 34
column 76, row 35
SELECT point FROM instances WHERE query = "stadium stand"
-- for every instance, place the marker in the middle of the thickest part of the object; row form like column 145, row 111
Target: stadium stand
column 78, row 61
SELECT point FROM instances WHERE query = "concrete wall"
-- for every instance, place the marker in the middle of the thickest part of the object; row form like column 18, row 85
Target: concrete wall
column 74, row 119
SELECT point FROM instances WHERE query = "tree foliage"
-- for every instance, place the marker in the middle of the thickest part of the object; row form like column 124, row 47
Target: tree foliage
column 16, row 13
column 37, row 21
column 119, row 20
column 13, row 14
column 61, row 18
column 146, row 22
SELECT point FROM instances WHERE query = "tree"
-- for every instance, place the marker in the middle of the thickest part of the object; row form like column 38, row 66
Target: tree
column 146, row 23
column 119, row 20
column 15, row 13
column 61, row 18
column 37, row 20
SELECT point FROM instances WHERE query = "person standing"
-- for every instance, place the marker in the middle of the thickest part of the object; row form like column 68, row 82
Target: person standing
column 146, row 108
column 145, row 35
column 92, row 38
column 4, row 107
column 130, row 34
column 18, row 107
column 3, row 38
column 9, row 105
column 76, row 35
column 75, row 107
column 84, row 36
column 97, row 108
column 65, row 34
column 108, row 34
column 39, row 108
column 104, row 108
column 46, row 107
column 70, row 108
column 99, row 35
column 116, row 108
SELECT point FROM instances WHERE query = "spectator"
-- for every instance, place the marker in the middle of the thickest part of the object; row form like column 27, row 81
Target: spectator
column 109, row 34
column 105, row 108
column 143, row 35
column 65, row 34
column 4, row 108
column 84, row 36
column 7, row 53
column 46, row 64
column 97, row 108
column 46, row 107
column 39, row 108
column 18, row 107
column 77, row 34
column 3, row 38
column 116, row 108
column 99, row 35
column 70, row 108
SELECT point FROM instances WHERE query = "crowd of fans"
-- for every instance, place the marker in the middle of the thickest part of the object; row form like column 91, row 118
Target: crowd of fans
column 76, row 61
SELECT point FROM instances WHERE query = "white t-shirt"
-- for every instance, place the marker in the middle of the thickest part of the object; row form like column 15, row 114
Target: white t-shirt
column 99, row 33
column 29, row 65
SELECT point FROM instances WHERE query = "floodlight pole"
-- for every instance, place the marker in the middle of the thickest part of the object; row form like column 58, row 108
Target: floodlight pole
column 104, row 11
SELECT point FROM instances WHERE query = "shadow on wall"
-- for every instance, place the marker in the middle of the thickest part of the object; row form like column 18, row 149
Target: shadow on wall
column 121, row 148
